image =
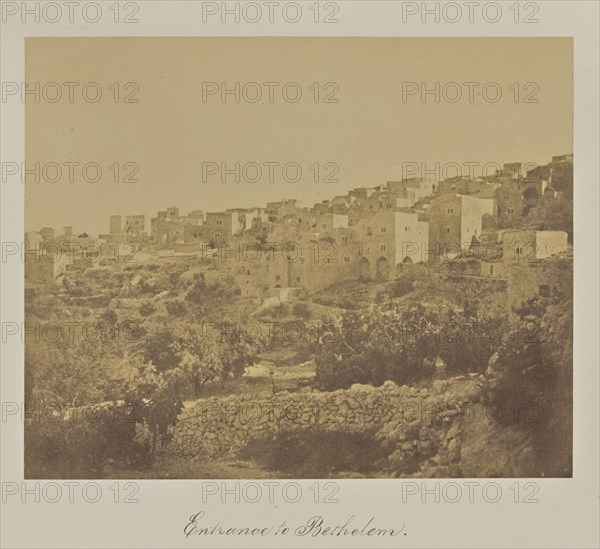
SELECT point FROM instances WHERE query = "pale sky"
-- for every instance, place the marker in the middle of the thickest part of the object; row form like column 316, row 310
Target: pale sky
column 368, row 133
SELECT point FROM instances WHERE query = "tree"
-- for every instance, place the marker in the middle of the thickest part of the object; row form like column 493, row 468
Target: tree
column 301, row 310
column 110, row 317
column 157, row 397
column 239, row 350
column 533, row 366
column 79, row 368
column 200, row 356
column 468, row 342
column 158, row 348
column 176, row 308
column 146, row 309
column 386, row 343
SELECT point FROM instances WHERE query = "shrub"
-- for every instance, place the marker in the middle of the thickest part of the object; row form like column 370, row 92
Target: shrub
column 532, row 370
column 158, row 399
column 176, row 308
column 146, row 309
column 387, row 343
column 110, row 317
column 281, row 310
column 316, row 453
column 467, row 343
column 401, row 287
column 85, row 442
column 302, row 310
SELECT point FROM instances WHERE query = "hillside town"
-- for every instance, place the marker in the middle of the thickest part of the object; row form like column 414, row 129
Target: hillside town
column 503, row 221
column 442, row 294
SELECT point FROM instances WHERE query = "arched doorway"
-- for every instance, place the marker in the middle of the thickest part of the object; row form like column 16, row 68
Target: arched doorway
column 382, row 268
column 364, row 269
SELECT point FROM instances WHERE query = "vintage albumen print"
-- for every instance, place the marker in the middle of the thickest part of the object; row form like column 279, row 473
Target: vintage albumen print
column 298, row 257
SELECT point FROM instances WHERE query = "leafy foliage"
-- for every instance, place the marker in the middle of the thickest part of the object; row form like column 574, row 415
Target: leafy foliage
column 467, row 341
column 146, row 309
column 199, row 355
column 158, row 398
column 176, row 308
column 533, row 367
column 315, row 452
column 387, row 343
column 83, row 442
column 78, row 368
column 301, row 310
column 158, row 349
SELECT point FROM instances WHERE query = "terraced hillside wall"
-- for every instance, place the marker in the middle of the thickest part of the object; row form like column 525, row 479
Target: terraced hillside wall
column 412, row 423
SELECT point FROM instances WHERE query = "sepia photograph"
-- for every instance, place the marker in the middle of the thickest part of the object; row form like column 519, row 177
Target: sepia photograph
column 309, row 258
column 305, row 274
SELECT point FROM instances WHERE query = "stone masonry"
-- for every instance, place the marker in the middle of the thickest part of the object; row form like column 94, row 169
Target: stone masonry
column 414, row 424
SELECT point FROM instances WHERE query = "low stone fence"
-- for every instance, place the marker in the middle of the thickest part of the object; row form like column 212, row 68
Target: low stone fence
column 410, row 422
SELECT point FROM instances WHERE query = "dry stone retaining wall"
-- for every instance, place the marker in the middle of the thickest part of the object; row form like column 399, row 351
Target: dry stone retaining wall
column 412, row 423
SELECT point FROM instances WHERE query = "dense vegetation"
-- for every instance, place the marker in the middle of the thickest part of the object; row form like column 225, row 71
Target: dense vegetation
column 145, row 362
column 133, row 345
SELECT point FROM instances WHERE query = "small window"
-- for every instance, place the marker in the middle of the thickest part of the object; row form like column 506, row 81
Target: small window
column 324, row 225
column 383, row 229
column 347, row 258
column 406, row 229
column 519, row 251
column 383, row 247
column 344, row 239
column 450, row 210
column 447, row 230
column 453, row 188
column 297, row 279
column 511, row 210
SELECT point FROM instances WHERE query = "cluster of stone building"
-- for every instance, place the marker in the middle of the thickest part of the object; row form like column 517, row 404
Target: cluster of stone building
column 367, row 233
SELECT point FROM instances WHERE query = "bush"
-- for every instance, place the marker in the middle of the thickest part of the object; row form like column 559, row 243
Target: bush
column 531, row 372
column 468, row 343
column 123, row 433
column 401, row 287
column 176, row 308
column 316, row 453
column 281, row 310
column 302, row 310
column 85, row 443
column 110, row 317
column 387, row 343
column 146, row 309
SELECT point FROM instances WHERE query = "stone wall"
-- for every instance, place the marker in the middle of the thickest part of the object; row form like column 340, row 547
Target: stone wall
column 413, row 424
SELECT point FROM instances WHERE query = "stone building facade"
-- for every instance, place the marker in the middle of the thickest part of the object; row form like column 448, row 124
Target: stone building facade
column 522, row 246
column 455, row 220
